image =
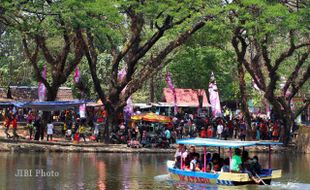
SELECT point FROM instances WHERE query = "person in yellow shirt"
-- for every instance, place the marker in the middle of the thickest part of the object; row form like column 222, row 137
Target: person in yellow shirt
column 82, row 129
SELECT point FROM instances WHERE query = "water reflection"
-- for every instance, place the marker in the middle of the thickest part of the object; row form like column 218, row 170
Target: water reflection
column 127, row 171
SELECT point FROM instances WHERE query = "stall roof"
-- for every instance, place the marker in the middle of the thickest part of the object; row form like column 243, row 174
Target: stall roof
column 223, row 143
column 186, row 97
column 11, row 103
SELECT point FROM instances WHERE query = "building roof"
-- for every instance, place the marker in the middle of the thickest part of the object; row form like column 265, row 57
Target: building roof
column 186, row 97
column 30, row 93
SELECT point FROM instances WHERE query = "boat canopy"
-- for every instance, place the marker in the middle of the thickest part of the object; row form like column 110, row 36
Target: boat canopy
column 224, row 143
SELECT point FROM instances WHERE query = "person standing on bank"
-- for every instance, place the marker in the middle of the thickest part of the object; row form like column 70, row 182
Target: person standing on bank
column 220, row 128
column 14, row 124
column 82, row 129
column 7, row 126
column 50, row 128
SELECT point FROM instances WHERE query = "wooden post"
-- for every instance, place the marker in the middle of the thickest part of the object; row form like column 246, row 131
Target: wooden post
column 205, row 159
column 181, row 160
column 269, row 146
column 230, row 158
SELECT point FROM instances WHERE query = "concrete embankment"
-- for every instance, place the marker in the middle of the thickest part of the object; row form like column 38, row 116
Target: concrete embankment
column 44, row 146
column 303, row 140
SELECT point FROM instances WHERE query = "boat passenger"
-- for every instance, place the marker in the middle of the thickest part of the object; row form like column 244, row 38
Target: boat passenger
column 255, row 166
column 182, row 152
column 225, row 167
column 236, row 161
column 194, row 164
column 216, row 162
column 245, row 157
column 208, row 161
column 177, row 164
column 247, row 164
column 190, row 155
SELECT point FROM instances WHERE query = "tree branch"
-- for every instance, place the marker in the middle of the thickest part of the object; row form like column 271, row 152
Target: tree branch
column 294, row 74
column 289, row 52
column 40, row 40
column 302, row 108
column 33, row 60
column 155, row 62
column 300, row 83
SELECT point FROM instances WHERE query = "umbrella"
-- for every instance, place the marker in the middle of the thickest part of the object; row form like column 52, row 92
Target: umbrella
column 151, row 117
column 137, row 117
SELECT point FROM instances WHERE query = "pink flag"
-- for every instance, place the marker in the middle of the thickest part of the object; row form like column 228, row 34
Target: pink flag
column 214, row 97
column 41, row 86
column 77, row 75
column 171, row 86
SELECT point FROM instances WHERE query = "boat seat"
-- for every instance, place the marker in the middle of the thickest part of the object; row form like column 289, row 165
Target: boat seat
column 265, row 172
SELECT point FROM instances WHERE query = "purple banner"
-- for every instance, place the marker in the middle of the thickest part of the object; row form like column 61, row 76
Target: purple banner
column 41, row 86
column 77, row 75
column 214, row 98
column 128, row 109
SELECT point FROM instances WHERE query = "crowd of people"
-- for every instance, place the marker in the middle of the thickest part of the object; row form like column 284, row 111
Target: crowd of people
column 241, row 162
column 142, row 133
column 70, row 125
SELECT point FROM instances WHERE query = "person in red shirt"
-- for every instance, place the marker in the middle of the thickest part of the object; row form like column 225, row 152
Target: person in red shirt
column 14, row 124
column 7, row 126
column 203, row 133
column 210, row 132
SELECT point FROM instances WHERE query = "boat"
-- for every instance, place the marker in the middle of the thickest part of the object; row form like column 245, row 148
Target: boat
column 223, row 178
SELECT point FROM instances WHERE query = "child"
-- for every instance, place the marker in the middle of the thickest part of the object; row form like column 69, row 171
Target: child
column 50, row 128
column 30, row 128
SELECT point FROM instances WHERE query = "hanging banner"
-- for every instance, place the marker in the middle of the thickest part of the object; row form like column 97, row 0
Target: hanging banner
column 82, row 110
column 77, row 75
column 171, row 87
column 41, row 86
column 128, row 109
column 214, row 97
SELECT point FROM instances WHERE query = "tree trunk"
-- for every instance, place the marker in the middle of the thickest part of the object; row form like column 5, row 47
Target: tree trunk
column 244, row 101
column 152, row 91
column 51, row 93
column 285, row 114
column 112, row 122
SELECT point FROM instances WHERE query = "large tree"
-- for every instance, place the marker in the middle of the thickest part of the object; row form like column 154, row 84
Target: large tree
column 49, row 36
column 138, row 49
column 271, row 42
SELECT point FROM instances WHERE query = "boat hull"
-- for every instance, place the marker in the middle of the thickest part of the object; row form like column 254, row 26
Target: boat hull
column 220, row 178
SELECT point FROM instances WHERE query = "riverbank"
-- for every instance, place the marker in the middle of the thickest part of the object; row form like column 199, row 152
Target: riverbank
column 8, row 145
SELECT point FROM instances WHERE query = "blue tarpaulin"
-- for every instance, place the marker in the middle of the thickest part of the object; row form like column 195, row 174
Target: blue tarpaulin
column 54, row 105
column 45, row 106
column 10, row 104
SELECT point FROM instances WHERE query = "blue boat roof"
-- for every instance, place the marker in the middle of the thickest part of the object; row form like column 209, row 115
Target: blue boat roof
column 224, row 143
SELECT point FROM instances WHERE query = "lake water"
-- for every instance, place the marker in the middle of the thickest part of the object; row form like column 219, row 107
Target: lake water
column 125, row 171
